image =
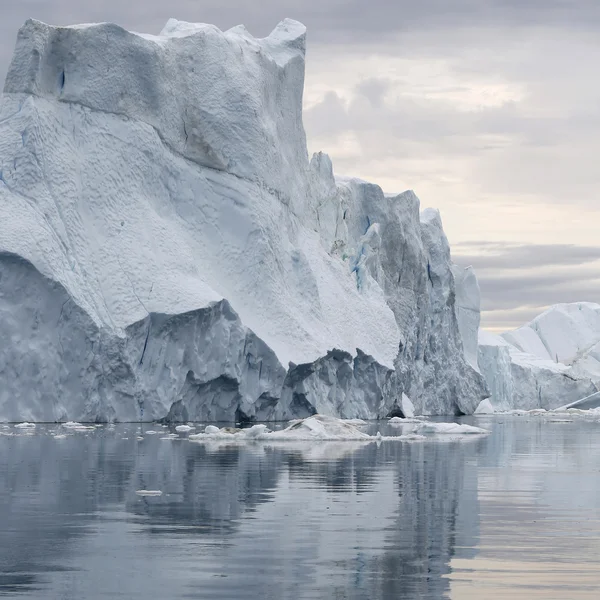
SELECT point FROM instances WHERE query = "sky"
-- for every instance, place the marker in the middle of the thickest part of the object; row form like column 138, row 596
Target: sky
column 488, row 109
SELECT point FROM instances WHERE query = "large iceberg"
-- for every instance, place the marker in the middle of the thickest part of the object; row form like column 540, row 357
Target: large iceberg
column 168, row 251
column 550, row 362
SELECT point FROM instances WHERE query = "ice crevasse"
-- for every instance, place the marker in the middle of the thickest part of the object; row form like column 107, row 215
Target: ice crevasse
column 168, row 250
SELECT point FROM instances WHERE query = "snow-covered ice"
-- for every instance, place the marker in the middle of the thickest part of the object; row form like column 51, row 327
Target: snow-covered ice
column 184, row 428
column 168, row 250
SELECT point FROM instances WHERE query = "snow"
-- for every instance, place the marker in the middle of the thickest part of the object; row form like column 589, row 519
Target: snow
column 25, row 425
column 168, row 251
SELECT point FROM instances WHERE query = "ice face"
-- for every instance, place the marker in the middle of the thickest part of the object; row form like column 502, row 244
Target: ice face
column 168, row 251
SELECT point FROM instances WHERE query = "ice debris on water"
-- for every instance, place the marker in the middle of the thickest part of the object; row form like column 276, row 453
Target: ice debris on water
column 184, row 428
column 322, row 428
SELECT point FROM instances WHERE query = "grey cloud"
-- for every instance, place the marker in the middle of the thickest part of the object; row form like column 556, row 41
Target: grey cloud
column 374, row 89
column 504, row 320
column 518, row 281
column 334, row 21
column 524, row 256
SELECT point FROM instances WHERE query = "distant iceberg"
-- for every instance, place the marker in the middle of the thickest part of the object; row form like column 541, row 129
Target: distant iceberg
column 551, row 362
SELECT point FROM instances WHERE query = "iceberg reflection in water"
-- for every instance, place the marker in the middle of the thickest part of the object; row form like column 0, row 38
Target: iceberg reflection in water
column 102, row 514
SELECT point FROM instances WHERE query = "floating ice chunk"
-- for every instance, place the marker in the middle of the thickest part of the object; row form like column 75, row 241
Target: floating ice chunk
column 315, row 428
column 149, row 492
column 408, row 408
column 184, row 428
column 485, row 408
column 139, row 438
column 519, row 412
column 59, row 436
column 320, row 427
column 151, row 432
column 25, row 425
column 74, row 426
column 403, row 421
column 449, row 428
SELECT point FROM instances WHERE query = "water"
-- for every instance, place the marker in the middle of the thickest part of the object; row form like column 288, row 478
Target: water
column 511, row 515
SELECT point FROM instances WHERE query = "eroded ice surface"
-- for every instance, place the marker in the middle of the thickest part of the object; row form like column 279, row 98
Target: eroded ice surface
column 168, row 251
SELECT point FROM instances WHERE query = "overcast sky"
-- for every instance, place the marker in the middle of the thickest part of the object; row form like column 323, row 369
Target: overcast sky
column 488, row 109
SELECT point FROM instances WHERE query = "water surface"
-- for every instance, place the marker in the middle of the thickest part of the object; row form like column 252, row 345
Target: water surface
column 511, row 515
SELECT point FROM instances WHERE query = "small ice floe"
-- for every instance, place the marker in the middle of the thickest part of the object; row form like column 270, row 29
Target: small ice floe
column 151, row 432
column 59, row 436
column 25, row 425
column 139, row 438
column 448, row 428
column 403, row 421
column 149, row 492
column 75, row 426
column 184, row 428
column 171, row 436
column 522, row 413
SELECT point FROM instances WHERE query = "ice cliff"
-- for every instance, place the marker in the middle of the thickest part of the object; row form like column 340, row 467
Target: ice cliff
column 550, row 362
column 168, row 250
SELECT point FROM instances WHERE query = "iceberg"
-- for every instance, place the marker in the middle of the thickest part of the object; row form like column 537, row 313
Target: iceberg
column 169, row 252
column 552, row 362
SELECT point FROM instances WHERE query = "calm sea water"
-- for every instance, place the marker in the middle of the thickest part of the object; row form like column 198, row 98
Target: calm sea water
column 511, row 515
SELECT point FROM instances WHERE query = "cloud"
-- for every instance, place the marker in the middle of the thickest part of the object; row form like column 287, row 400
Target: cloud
column 523, row 257
column 519, row 281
